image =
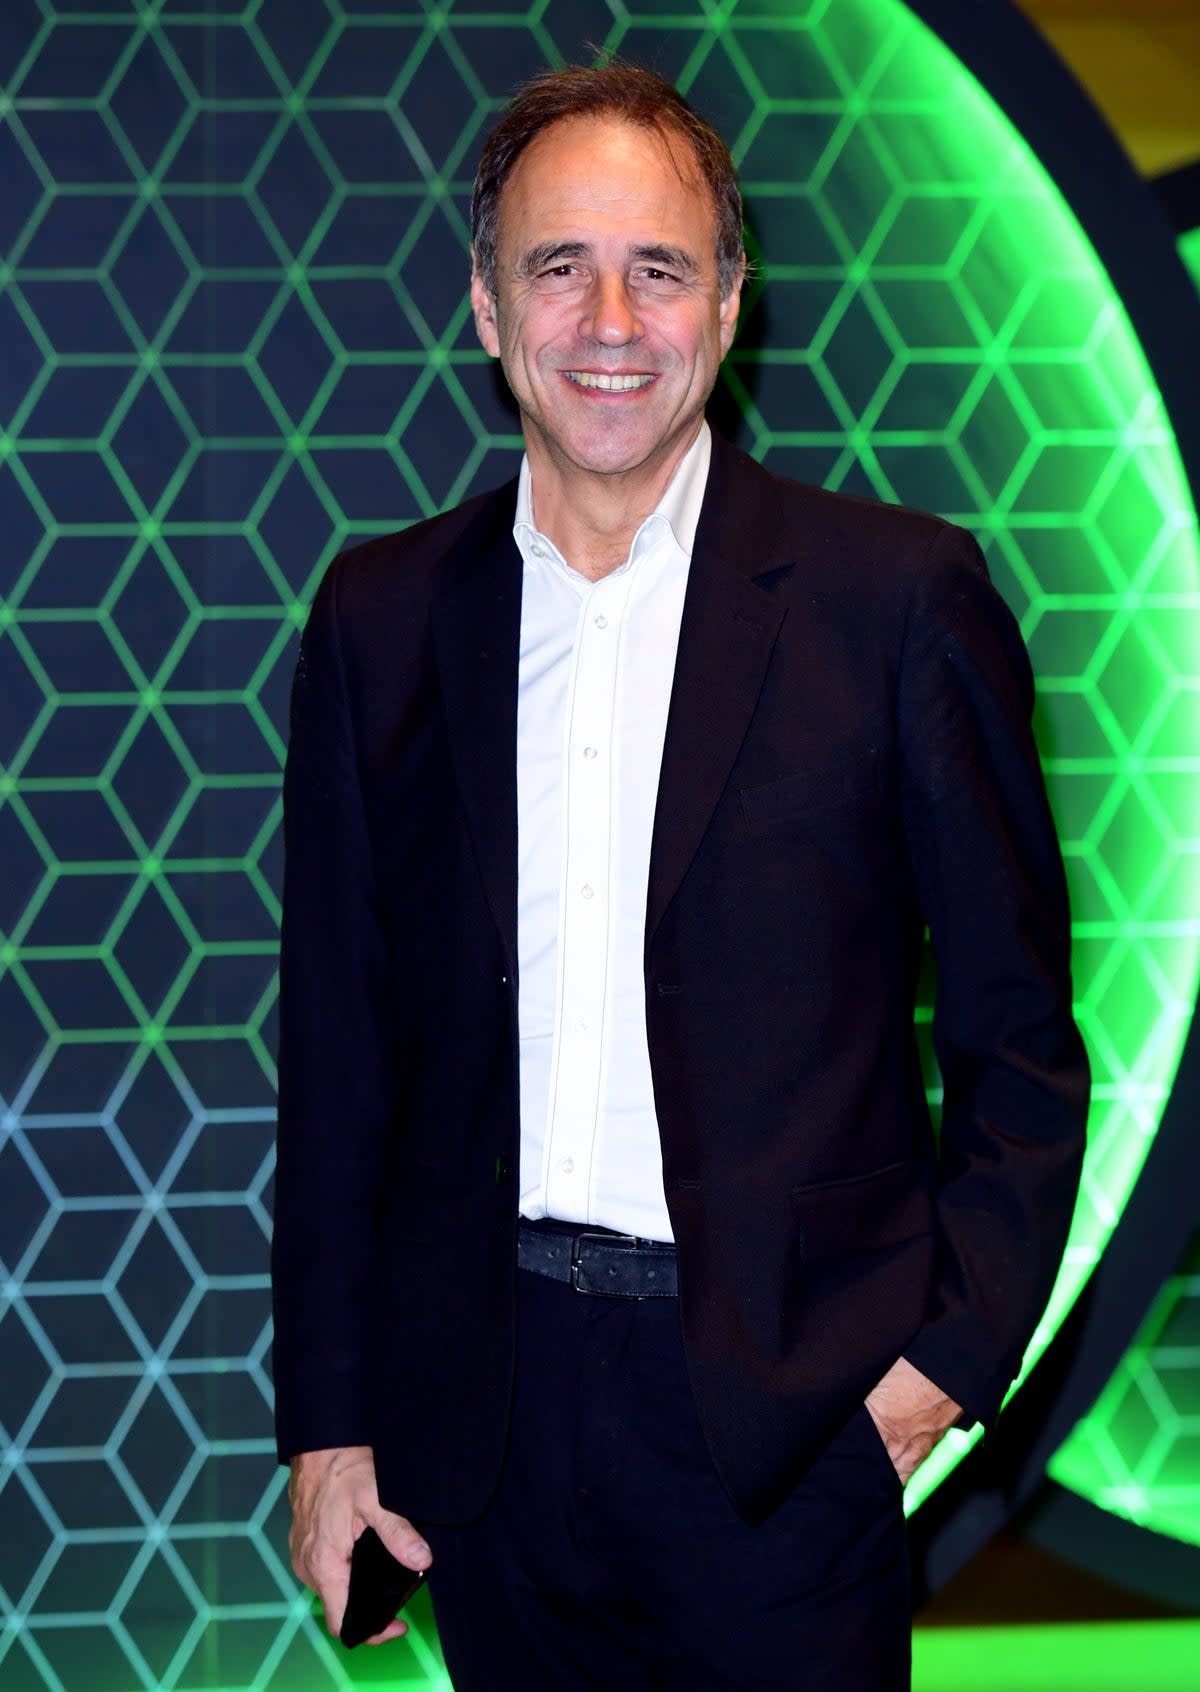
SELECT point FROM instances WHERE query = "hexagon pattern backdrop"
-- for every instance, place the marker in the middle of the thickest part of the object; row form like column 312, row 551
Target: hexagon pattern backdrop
column 234, row 337
column 1138, row 1452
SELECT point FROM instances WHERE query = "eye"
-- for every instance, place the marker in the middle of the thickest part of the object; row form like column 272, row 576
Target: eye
column 556, row 275
column 654, row 276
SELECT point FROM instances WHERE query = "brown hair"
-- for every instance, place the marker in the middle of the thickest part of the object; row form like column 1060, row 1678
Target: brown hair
column 627, row 94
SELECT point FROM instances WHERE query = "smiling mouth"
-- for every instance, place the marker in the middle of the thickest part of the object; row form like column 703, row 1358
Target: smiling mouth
column 614, row 384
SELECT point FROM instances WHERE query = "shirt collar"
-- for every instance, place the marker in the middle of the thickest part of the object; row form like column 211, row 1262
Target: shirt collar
column 678, row 511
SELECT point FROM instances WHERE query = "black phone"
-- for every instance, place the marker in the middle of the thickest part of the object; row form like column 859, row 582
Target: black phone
column 379, row 1587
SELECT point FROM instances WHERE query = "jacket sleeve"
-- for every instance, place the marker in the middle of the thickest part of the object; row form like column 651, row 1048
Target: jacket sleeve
column 991, row 883
column 336, row 1074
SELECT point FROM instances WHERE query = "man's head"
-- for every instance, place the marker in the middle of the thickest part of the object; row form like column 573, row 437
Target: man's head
column 608, row 262
column 619, row 93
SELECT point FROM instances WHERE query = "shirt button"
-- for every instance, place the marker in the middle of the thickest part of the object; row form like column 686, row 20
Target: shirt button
column 538, row 551
column 567, row 1165
column 601, row 622
column 581, row 1026
column 590, row 752
column 587, row 892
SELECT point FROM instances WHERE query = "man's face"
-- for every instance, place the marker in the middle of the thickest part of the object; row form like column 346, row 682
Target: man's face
column 607, row 316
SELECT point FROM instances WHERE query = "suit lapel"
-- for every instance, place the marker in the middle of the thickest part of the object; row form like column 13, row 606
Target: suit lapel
column 730, row 622
column 476, row 636
column 726, row 638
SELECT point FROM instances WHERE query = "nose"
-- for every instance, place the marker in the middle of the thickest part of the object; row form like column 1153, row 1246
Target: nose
column 609, row 315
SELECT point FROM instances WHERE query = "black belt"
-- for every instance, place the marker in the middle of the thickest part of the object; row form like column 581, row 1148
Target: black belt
column 611, row 1265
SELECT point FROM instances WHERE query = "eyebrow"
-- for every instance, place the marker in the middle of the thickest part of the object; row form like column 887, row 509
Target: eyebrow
column 669, row 258
column 552, row 252
column 560, row 252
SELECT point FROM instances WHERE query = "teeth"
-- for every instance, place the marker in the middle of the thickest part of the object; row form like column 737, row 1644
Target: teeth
column 614, row 384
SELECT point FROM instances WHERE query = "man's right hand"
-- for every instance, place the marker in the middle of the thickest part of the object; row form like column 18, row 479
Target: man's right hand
column 333, row 1498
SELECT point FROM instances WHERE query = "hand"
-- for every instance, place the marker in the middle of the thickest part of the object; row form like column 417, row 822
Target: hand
column 333, row 1499
column 911, row 1414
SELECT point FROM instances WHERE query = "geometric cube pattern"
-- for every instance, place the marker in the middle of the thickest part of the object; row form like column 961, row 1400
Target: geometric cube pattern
column 234, row 336
column 1138, row 1452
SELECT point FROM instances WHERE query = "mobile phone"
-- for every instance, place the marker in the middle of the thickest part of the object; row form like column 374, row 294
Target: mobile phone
column 379, row 1587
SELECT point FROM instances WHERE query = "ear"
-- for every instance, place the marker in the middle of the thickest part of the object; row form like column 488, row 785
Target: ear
column 483, row 304
column 730, row 305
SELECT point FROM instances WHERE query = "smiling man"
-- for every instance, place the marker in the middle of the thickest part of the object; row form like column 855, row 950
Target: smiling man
column 620, row 1279
column 610, row 311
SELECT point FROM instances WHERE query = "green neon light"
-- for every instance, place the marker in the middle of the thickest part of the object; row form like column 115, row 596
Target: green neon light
column 1086, row 1657
column 1035, row 393
column 1189, row 249
column 1138, row 1451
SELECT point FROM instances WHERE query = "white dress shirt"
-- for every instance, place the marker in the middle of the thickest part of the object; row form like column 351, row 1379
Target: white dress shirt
column 596, row 668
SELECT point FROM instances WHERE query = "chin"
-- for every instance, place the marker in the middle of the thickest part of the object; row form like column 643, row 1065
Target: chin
column 619, row 450
column 613, row 462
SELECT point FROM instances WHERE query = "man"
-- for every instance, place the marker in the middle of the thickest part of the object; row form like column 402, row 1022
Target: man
column 617, row 803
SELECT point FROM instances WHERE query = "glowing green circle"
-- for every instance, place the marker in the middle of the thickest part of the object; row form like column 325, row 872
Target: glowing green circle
column 942, row 333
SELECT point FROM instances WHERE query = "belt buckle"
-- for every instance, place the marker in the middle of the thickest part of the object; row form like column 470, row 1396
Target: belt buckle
column 576, row 1262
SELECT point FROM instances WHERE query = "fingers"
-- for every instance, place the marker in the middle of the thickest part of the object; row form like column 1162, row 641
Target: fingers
column 331, row 1582
column 401, row 1539
column 912, row 1414
column 906, row 1450
column 321, row 1559
column 394, row 1630
column 334, row 1497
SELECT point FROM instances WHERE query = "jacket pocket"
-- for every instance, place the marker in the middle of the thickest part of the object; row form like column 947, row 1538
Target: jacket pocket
column 863, row 1213
column 853, row 779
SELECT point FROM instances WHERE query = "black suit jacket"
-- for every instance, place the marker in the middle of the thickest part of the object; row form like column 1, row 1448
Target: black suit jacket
column 848, row 758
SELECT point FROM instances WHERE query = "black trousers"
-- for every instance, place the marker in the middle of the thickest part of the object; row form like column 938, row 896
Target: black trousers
column 612, row 1559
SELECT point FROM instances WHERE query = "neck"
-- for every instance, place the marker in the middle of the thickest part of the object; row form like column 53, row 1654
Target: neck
column 592, row 518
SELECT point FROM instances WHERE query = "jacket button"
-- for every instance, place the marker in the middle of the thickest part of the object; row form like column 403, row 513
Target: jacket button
column 502, row 1171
